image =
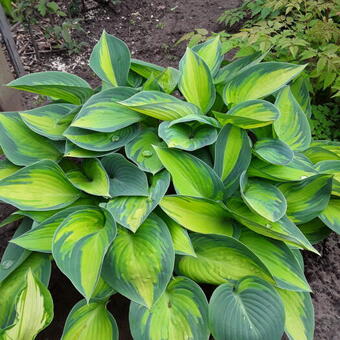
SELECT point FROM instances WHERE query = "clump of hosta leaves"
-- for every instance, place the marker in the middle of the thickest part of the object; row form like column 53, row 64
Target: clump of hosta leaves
column 161, row 180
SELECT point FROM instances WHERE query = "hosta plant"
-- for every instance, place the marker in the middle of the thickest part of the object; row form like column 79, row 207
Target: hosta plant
column 161, row 180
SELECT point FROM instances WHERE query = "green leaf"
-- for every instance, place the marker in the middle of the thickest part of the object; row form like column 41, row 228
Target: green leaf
column 331, row 167
column 292, row 126
column 103, row 113
column 187, row 137
column 30, row 321
column 40, row 186
column 110, row 60
column 317, row 154
column 232, row 156
column 263, row 198
column 190, row 175
column 41, row 236
column 140, row 150
column 315, row 231
column 283, row 229
column 51, row 120
column 180, row 237
column 308, row 198
column 297, row 169
column 145, row 69
column 246, row 309
column 80, row 244
column 331, row 215
column 168, row 79
column 22, row 146
column 250, row 114
column 159, row 105
column 299, row 314
column 74, row 151
column 196, row 83
column 88, row 321
column 92, row 178
column 211, row 53
column 198, row 214
column 299, row 88
column 124, row 177
column 7, row 168
column 219, row 259
column 180, row 313
column 13, row 285
column 259, row 81
column 101, row 141
column 137, row 266
column 132, row 211
column 61, row 85
column 279, row 260
column 14, row 255
column 273, row 151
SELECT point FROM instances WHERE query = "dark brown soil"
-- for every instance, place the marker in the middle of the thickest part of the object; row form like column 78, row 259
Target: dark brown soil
column 150, row 28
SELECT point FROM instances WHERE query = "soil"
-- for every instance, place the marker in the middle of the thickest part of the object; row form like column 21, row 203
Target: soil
column 150, row 28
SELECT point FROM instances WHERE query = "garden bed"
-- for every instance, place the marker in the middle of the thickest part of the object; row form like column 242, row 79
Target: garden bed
column 150, row 28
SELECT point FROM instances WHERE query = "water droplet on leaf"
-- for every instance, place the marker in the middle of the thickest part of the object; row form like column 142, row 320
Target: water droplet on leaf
column 147, row 153
column 115, row 138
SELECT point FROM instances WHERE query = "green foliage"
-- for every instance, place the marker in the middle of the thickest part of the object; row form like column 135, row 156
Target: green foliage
column 136, row 188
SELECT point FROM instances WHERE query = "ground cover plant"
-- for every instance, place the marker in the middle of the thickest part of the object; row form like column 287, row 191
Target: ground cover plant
column 158, row 181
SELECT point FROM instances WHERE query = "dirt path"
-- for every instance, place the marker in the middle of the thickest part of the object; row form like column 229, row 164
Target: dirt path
column 150, row 28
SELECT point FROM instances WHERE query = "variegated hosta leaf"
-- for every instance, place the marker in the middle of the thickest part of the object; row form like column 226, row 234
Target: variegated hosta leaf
column 273, row 151
column 332, row 146
column 102, row 112
column 132, row 211
column 219, row 259
column 80, row 244
column 230, row 71
column 74, row 151
column 101, row 141
column 14, row 255
column 40, row 237
column 140, row 150
column 102, row 292
column 51, row 120
column 283, row 229
column 40, row 186
column 61, row 85
column 296, row 170
column 250, row 114
column 145, row 69
column 262, row 197
column 292, row 127
column 91, row 178
column 168, row 79
column 110, row 60
column 186, row 136
column 232, row 156
column 279, row 260
column 317, row 154
column 331, row 215
column 196, row 83
column 159, row 105
column 190, row 175
column 180, row 237
column 315, row 230
column 140, row 265
column 7, row 168
column 299, row 314
column 211, row 53
column 308, row 198
column 125, row 178
column 331, row 167
column 259, row 81
column 246, row 309
column 180, row 313
column 11, row 287
column 300, row 90
column 198, row 214
column 88, row 321
column 22, row 146
column 34, row 310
